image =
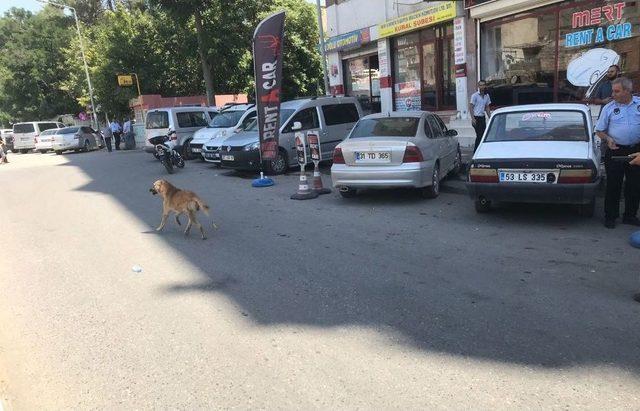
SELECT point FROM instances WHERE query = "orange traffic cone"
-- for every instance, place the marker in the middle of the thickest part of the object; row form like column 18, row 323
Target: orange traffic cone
column 304, row 193
column 317, row 180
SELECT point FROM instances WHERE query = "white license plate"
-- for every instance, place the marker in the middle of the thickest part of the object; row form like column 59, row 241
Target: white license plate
column 509, row 176
column 213, row 155
column 372, row 156
column 196, row 150
column 228, row 158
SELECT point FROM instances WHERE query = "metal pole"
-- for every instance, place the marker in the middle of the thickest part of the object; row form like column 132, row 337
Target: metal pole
column 138, row 83
column 322, row 50
column 86, row 68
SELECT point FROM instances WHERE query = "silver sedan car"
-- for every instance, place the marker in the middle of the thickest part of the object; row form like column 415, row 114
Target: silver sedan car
column 401, row 149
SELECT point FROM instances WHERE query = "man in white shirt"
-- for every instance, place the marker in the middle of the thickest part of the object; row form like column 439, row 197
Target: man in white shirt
column 116, row 130
column 479, row 105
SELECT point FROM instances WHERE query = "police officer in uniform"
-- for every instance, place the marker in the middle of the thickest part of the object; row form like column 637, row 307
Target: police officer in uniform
column 619, row 127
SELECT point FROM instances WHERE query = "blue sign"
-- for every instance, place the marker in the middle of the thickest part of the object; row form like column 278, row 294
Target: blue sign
column 351, row 40
column 591, row 36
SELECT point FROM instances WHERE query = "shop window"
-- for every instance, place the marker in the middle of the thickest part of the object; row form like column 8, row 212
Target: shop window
column 406, row 63
column 363, row 82
column 519, row 57
column 335, row 114
column 588, row 46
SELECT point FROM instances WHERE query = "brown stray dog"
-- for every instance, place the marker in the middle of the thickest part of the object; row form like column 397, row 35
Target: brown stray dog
column 180, row 202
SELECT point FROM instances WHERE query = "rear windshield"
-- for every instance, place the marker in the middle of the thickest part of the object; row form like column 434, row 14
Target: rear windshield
column 23, row 128
column 157, row 119
column 553, row 125
column 226, row 119
column 386, row 127
column 47, row 126
column 68, row 130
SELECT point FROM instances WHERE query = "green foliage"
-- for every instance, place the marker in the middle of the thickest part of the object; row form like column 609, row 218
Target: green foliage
column 42, row 74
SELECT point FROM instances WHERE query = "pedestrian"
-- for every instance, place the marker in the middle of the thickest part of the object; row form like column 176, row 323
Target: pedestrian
column 3, row 153
column 603, row 95
column 116, row 130
column 107, row 134
column 479, row 105
column 127, row 135
column 619, row 128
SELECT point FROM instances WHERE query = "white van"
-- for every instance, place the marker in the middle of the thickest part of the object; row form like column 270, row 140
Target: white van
column 230, row 119
column 184, row 120
column 25, row 134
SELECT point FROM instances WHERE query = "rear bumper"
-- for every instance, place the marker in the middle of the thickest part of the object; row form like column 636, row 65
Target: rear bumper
column 242, row 160
column 64, row 146
column 534, row 193
column 403, row 175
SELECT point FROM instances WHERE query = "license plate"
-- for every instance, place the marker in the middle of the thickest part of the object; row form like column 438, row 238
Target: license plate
column 196, row 150
column 372, row 156
column 212, row 155
column 227, row 158
column 509, row 176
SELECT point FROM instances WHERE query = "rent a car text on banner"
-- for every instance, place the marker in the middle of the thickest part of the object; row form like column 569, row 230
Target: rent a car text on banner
column 267, row 62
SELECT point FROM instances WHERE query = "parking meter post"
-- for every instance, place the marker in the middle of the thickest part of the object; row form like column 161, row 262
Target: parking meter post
column 313, row 139
column 303, row 193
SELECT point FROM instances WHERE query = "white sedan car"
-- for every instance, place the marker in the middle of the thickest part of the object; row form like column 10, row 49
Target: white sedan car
column 543, row 153
column 402, row 149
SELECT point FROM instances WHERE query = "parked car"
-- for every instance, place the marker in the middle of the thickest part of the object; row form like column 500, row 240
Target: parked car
column 332, row 117
column 184, row 120
column 44, row 141
column 7, row 137
column 233, row 118
column 25, row 134
column 77, row 138
column 543, row 153
column 411, row 149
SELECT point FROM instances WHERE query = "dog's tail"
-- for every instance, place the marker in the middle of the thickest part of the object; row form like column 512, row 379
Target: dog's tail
column 201, row 205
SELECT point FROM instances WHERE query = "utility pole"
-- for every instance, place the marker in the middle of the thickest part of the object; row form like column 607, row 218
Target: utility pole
column 322, row 50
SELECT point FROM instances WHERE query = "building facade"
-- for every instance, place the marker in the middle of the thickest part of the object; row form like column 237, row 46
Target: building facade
column 398, row 56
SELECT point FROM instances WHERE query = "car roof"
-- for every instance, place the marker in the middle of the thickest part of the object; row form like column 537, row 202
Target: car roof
column 542, row 107
column 415, row 114
column 321, row 100
column 179, row 108
column 238, row 107
column 38, row 122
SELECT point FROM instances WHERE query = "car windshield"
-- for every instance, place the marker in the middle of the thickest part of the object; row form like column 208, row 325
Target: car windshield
column 157, row 119
column 23, row 128
column 284, row 116
column 226, row 119
column 49, row 132
column 386, row 127
column 552, row 125
column 68, row 130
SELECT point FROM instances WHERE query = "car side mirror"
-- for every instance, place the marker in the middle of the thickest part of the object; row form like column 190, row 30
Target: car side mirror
column 451, row 133
column 296, row 126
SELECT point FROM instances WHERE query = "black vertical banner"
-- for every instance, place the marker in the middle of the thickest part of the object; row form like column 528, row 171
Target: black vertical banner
column 267, row 65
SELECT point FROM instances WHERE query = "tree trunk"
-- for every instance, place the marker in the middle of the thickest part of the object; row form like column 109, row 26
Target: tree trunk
column 206, row 68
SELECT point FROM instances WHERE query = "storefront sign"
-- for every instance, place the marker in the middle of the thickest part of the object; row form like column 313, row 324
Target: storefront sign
column 125, row 80
column 597, row 35
column 314, row 146
column 423, row 18
column 347, row 41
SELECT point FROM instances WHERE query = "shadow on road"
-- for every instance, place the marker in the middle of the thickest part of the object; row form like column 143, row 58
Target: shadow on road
column 521, row 285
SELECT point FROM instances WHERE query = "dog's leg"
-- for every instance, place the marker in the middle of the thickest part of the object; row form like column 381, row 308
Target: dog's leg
column 204, row 237
column 163, row 222
column 178, row 219
column 186, row 230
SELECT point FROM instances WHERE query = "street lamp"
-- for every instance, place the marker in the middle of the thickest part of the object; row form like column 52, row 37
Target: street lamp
column 84, row 59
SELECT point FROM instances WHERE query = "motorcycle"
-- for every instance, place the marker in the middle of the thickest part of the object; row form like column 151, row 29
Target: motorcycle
column 167, row 151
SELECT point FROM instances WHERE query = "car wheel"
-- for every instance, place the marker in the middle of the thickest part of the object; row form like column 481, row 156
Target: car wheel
column 86, row 147
column 280, row 165
column 482, row 205
column 587, row 210
column 186, row 150
column 43, row 151
column 24, row 151
column 433, row 190
column 348, row 192
column 59, row 152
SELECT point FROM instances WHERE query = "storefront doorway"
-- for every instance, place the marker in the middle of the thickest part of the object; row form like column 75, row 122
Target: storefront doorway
column 362, row 78
column 424, row 70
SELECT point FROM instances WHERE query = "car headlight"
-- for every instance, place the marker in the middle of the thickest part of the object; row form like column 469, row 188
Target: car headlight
column 252, row 146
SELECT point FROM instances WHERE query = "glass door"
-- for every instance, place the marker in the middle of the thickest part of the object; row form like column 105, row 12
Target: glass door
column 429, row 76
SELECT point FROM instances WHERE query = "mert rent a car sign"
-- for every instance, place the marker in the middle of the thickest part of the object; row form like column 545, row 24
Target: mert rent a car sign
column 267, row 62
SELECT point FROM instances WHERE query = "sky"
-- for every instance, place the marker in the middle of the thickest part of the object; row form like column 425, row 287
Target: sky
column 35, row 6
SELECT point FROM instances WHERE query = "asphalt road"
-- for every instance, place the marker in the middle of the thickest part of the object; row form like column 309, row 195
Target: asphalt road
column 385, row 301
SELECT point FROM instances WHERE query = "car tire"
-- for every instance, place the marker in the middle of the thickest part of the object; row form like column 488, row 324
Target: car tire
column 43, row 151
column 482, row 205
column 59, row 152
column 349, row 192
column 280, row 165
column 86, row 146
column 587, row 210
column 433, row 190
column 457, row 164
column 186, row 150
column 24, row 151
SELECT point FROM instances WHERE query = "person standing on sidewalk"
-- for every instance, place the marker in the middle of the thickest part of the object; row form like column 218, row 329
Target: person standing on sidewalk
column 479, row 105
column 3, row 153
column 116, row 130
column 619, row 128
column 603, row 95
column 107, row 134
